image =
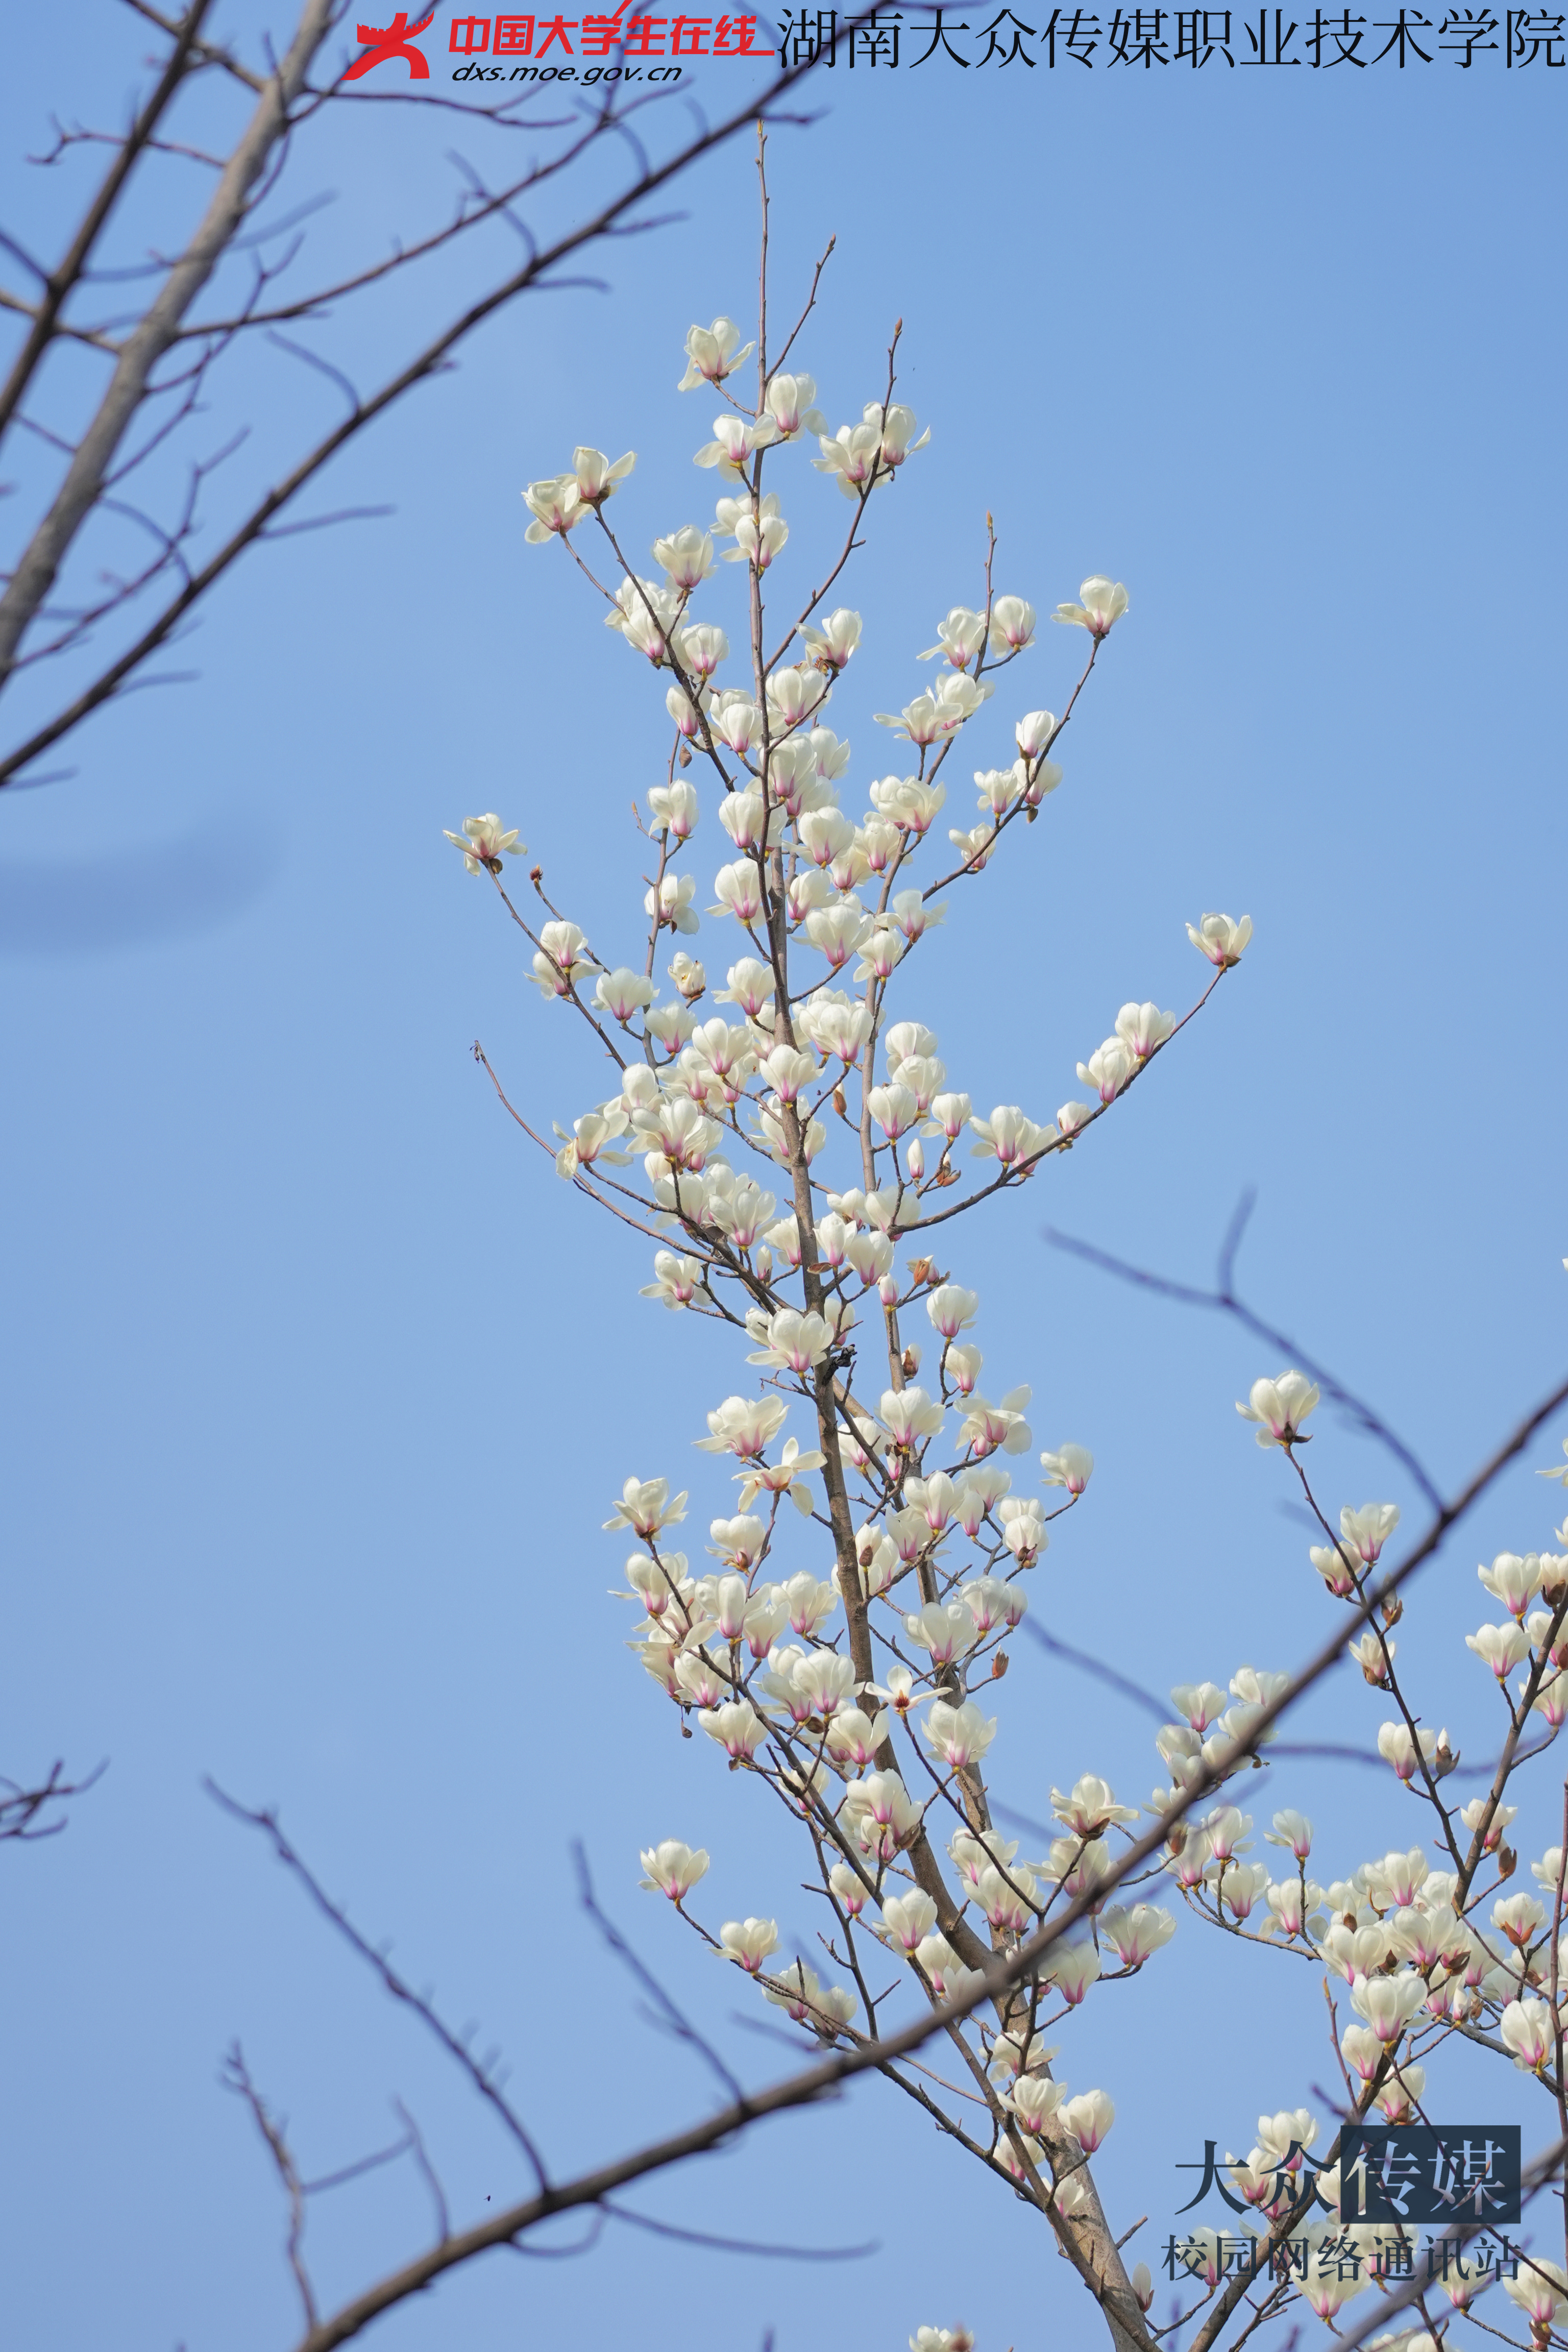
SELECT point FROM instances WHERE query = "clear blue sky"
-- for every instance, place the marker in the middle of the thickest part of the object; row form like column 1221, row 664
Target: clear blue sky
column 317, row 1387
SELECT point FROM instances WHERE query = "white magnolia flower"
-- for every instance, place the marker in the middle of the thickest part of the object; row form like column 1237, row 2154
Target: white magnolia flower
column 1143, row 1029
column 1527, row 2030
column 1010, row 1138
column 1101, row 606
column 673, row 1869
column 596, row 477
column 555, row 506
column 1280, row 1406
column 1071, row 1466
column 487, row 843
column 958, row 637
column 832, row 644
column 749, row 1941
column 790, row 403
column 1088, row 2117
column 712, row 354
column 960, row 1734
column 1216, row 937
column 686, row 556
column 1012, row 626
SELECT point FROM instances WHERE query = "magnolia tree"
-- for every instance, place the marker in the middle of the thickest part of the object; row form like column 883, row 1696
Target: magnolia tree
column 784, row 1130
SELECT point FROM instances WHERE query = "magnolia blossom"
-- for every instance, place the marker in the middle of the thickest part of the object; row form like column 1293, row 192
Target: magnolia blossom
column 958, row 637
column 1090, row 1807
column 1519, row 1918
column 1009, row 1138
column 1088, row 2117
column 907, row 1919
column 1216, row 937
column 1292, row 1829
column 960, row 1734
column 1512, row 1581
column 790, row 1341
column 1389, row 2003
column 1396, row 1745
column 759, row 537
column 911, row 1417
column 825, row 2007
column 744, row 1425
column 1143, row 1029
column 673, row 1869
column 1134, row 1935
column 986, row 1426
column 1364, row 1532
column 686, row 556
column 1012, row 626
column 749, row 1941
column 1035, row 2099
column 737, row 1727
column 1527, row 2030
column 864, row 456
column 946, row 1629
column 1281, row 1405
column 1540, row 2291
column 555, row 504
column 1072, row 1969
column 1100, row 607
column 712, row 354
column 1071, row 1466
column 1501, row 1646
column 487, row 843
column 906, row 802
column 623, row 992
column 645, row 1507
column 675, row 810
column 785, row 1477
column 676, row 1280
column 790, row 405
column 644, row 613
column 1335, row 1568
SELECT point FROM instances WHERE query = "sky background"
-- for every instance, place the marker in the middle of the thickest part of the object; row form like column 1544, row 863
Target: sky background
column 318, row 1383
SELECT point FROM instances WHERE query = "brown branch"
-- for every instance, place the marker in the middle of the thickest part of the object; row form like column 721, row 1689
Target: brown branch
column 236, row 2078
column 79, row 491
column 478, row 2074
column 66, row 276
column 50, row 542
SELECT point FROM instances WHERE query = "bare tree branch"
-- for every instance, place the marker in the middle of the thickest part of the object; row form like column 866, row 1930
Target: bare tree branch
column 20, row 1806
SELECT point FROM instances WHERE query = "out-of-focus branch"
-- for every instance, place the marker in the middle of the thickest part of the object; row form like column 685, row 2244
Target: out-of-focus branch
column 1225, row 1299
column 20, row 1806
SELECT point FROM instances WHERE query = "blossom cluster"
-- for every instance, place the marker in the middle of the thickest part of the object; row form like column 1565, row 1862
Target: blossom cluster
column 792, row 1142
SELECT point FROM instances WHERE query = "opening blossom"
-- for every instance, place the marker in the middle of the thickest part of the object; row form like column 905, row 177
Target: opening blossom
column 1071, row 1466
column 1220, row 940
column 749, row 1942
column 1281, row 1405
column 673, row 1869
column 712, row 354
column 1101, row 607
column 487, row 842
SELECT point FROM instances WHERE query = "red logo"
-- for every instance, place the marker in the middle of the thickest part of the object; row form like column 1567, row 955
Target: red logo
column 394, row 41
